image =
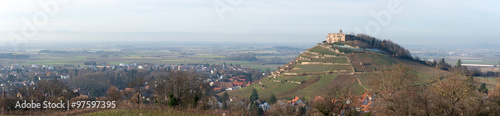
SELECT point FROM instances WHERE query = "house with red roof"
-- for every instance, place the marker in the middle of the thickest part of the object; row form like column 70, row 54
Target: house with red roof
column 364, row 102
column 223, row 85
column 295, row 101
column 239, row 78
column 239, row 83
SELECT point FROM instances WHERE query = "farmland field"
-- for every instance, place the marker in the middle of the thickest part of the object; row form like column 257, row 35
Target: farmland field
column 295, row 78
column 313, row 68
column 265, row 90
column 313, row 90
column 321, row 68
column 322, row 50
column 156, row 54
column 336, row 60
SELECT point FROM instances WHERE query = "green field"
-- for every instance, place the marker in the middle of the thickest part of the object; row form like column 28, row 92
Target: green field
column 198, row 56
column 381, row 59
column 424, row 72
column 265, row 90
column 321, row 50
column 341, row 67
column 313, row 68
column 313, row 90
column 321, row 68
column 294, row 78
column 336, row 60
column 490, row 82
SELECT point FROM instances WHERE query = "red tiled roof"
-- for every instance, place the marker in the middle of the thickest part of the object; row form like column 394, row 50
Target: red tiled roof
column 318, row 99
column 294, row 100
column 217, row 88
column 223, row 85
column 239, row 78
column 239, row 83
column 361, row 98
column 243, row 77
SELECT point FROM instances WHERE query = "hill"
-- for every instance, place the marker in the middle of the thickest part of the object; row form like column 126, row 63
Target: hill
column 350, row 63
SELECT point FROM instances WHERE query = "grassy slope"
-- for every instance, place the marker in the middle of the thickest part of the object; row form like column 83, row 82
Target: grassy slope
column 269, row 87
column 490, row 81
column 321, row 50
column 311, row 90
column 294, row 78
column 424, row 72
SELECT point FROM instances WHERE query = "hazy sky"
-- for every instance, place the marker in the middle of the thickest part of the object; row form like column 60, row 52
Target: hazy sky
column 417, row 22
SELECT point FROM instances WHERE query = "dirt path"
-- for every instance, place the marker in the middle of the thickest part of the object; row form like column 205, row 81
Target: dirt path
column 359, row 82
column 349, row 60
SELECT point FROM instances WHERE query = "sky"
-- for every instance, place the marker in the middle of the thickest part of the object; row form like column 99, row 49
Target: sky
column 416, row 22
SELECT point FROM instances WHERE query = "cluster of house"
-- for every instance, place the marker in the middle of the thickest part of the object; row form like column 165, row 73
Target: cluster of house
column 236, row 82
column 360, row 103
column 12, row 74
column 296, row 102
column 24, row 75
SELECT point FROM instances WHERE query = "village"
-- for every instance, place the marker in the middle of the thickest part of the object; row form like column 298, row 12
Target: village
column 223, row 77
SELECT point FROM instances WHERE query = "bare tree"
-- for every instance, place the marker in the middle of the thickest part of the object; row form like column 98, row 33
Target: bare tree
column 113, row 93
column 339, row 99
column 453, row 96
column 182, row 85
column 494, row 100
column 400, row 103
column 397, row 77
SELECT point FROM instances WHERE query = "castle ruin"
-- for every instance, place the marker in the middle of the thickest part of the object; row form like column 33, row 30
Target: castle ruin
column 335, row 37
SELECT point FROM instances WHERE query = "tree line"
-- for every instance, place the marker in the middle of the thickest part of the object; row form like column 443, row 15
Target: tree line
column 394, row 49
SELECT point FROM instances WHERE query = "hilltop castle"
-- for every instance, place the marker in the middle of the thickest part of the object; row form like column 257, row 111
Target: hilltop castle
column 335, row 37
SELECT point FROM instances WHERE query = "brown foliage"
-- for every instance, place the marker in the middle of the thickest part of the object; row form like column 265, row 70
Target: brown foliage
column 405, row 102
column 339, row 98
column 397, row 77
column 494, row 99
column 450, row 96
column 182, row 85
column 113, row 93
column 281, row 109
